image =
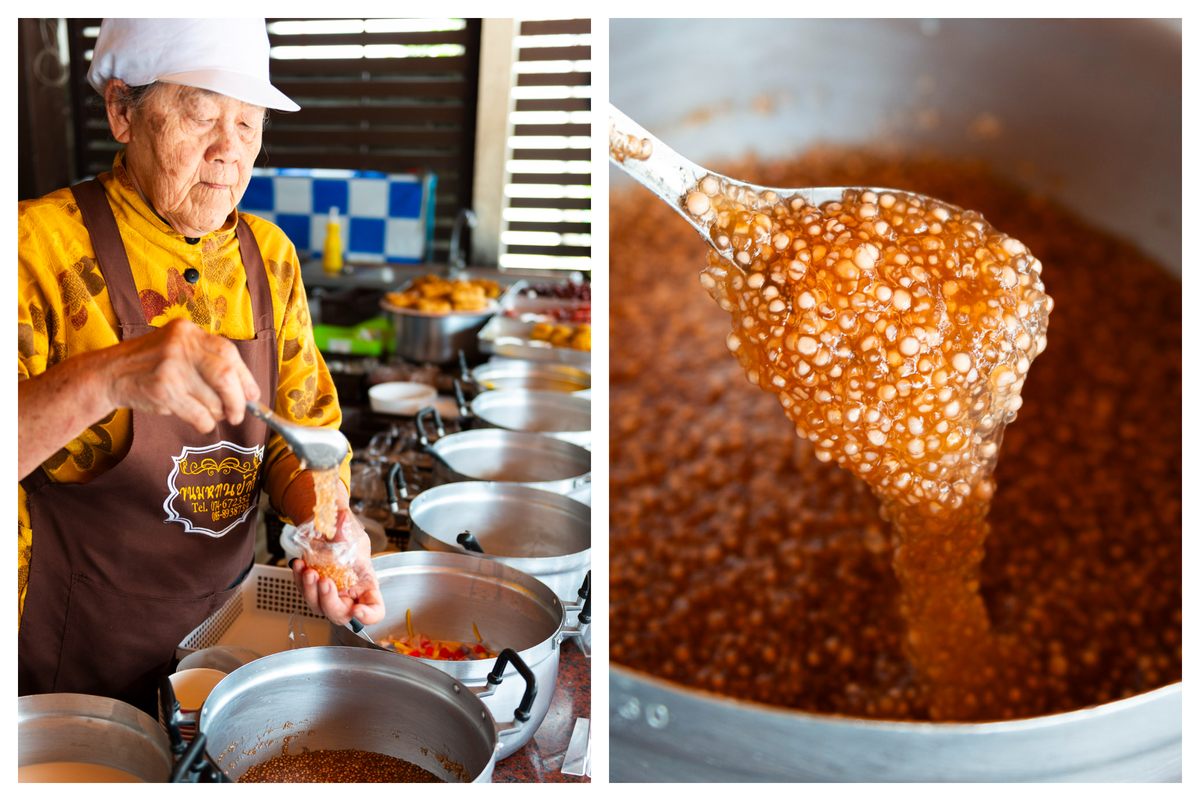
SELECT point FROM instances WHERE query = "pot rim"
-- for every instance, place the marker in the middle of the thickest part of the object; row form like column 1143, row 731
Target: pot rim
column 492, row 309
column 474, row 565
column 504, row 398
column 734, row 705
column 526, row 367
column 102, row 710
column 342, row 656
column 543, row 442
column 504, row 488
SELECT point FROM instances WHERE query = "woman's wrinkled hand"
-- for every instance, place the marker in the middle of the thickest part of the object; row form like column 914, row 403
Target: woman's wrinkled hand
column 182, row 370
column 362, row 601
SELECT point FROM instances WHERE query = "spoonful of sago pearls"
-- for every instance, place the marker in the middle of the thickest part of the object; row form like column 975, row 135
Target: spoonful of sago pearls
column 897, row 331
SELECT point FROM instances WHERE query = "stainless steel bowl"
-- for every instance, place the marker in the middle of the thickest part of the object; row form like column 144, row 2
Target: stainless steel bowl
column 514, row 374
column 70, row 727
column 491, row 454
column 1089, row 113
column 436, row 338
column 449, row 595
column 338, row 698
column 543, row 534
column 554, row 414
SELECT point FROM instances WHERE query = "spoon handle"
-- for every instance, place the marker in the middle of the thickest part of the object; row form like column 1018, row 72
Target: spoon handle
column 664, row 172
column 282, row 428
column 264, row 414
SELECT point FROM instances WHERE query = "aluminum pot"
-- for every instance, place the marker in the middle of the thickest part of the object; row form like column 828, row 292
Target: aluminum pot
column 661, row 731
column 554, row 414
column 491, row 454
column 335, row 698
column 1054, row 99
column 449, row 594
column 543, row 534
column 91, row 729
column 436, row 338
column 517, row 374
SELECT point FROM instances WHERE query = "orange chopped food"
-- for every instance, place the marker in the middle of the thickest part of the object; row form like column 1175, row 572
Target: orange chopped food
column 412, row 643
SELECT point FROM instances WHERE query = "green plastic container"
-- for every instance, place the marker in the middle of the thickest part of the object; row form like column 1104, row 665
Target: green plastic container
column 369, row 338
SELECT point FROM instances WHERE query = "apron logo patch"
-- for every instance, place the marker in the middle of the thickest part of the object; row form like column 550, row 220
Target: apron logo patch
column 214, row 488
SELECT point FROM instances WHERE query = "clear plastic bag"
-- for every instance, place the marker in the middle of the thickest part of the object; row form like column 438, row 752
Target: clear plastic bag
column 332, row 559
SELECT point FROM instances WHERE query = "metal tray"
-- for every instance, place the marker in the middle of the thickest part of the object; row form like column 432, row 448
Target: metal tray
column 505, row 336
column 513, row 299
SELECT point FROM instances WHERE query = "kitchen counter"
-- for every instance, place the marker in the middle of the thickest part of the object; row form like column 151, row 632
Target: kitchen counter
column 391, row 276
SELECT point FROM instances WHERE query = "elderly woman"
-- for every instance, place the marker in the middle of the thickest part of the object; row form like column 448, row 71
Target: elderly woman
column 150, row 312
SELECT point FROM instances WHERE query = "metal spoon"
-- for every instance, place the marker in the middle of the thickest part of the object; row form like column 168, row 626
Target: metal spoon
column 670, row 176
column 318, row 448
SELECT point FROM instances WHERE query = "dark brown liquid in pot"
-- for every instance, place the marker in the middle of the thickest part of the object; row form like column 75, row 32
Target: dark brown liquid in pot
column 348, row 765
column 743, row 565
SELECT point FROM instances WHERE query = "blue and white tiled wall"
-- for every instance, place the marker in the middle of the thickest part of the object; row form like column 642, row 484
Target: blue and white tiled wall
column 384, row 217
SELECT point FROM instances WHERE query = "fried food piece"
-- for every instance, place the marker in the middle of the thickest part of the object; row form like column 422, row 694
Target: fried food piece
column 402, row 300
column 561, row 336
column 490, row 288
column 434, row 289
column 435, row 294
column 436, row 306
column 470, row 304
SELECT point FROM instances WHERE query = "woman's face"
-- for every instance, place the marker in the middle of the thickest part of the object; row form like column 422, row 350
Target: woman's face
column 190, row 153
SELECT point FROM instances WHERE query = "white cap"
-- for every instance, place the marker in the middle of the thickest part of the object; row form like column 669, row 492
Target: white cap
column 228, row 56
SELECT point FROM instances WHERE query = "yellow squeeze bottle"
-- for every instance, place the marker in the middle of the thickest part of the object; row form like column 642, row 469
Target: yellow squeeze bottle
column 332, row 256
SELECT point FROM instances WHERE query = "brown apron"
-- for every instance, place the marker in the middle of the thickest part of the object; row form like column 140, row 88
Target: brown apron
column 127, row 564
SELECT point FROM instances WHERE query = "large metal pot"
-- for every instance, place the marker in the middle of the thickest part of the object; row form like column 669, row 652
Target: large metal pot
column 543, row 534
column 90, row 729
column 339, row 698
column 436, row 338
column 450, row 594
column 491, row 454
column 517, row 374
column 660, row 731
column 554, row 414
column 1055, row 98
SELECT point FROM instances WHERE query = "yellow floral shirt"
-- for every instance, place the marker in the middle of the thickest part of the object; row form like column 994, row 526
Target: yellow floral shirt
column 64, row 309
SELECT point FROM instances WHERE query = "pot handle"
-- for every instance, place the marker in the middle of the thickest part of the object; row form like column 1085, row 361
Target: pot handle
column 467, row 540
column 195, row 766
column 585, row 610
column 464, row 409
column 168, row 712
column 524, row 709
column 422, row 416
column 462, row 363
column 397, row 488
column 521, row 713
column 585, row 592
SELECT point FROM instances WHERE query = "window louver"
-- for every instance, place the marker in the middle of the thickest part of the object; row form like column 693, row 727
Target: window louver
column 547, row 214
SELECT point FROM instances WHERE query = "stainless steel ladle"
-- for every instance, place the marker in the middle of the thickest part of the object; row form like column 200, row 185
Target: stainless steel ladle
column 672, row 177
column 317, row 448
